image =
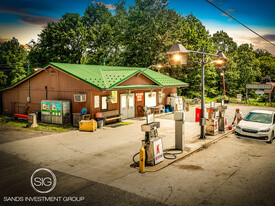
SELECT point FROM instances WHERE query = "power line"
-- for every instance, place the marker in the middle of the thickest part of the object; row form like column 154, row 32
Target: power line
column 241, row 23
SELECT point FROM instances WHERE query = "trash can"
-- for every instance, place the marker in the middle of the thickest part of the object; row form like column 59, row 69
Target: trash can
column 198, row 115
column 100, row 122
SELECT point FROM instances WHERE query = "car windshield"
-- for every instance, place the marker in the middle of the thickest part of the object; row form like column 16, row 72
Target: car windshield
column 259, row 117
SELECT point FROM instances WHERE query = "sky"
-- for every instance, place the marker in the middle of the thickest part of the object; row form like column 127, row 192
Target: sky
column 25, row 19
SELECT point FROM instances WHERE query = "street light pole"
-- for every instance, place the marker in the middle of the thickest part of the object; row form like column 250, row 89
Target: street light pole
column 178, row 54
column 223, row 83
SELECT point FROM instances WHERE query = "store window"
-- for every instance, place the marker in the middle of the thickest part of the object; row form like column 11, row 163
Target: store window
column 150, row 99
column 104, row 104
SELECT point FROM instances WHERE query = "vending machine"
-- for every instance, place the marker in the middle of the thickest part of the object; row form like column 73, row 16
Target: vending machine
column 61, row 112
column 46, row 111
column 66, row 119
column 56, row 112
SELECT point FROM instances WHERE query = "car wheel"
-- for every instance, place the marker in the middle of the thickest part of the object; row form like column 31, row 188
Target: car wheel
column 271, row 138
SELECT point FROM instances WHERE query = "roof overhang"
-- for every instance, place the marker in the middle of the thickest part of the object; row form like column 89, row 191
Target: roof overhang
column 25, row 79
column 145, row 87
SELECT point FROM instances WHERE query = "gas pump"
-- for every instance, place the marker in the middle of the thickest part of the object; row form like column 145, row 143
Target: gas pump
column 212, row 122
column 152, row 143
column 223, row 120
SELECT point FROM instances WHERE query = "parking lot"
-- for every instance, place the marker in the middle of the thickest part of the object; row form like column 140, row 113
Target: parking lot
column 231, row 169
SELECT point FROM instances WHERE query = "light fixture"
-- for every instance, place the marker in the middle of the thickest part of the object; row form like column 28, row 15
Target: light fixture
column 159, row 66
column 220, row 60
column 178, row 54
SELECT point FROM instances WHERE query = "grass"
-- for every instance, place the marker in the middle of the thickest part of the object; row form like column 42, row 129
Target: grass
column 125, row 123
column 249, row 102
column 9, row 122
column 208, row 99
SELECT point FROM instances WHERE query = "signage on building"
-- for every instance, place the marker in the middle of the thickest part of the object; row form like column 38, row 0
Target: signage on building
column 258, row 86
column 114, row 97
column 139, row 97
column 259, row 92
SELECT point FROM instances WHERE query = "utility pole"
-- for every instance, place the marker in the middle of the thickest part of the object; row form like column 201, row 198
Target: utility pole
column 202, row 119
column 28, row 68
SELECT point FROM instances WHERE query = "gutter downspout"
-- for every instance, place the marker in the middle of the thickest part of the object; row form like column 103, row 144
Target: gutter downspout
column 29, row 87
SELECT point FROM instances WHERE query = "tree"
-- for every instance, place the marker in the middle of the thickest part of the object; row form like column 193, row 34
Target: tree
column 101, row 33
column 247, row 66
column 12, row 62
column 222, row 41
column 62, row 41
column 267, row 66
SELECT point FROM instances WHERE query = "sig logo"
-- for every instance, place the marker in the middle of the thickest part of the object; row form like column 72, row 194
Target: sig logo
column 43, row 180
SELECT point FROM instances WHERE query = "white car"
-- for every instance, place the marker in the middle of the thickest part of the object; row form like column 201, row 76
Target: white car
column 259, row 124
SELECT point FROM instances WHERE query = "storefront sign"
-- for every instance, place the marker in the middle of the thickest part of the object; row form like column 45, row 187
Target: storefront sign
column 150, row 99
column 139, row 97
column 259, row 92
column 114, row 96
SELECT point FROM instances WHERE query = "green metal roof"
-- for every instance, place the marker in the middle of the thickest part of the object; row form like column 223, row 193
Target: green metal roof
column 136, row 86
column 107, row 77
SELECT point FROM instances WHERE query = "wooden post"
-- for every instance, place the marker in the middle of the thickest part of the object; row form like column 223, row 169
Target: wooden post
column 246, row 96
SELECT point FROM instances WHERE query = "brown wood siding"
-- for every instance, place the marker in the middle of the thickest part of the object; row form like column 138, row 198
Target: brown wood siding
column 138, row 80
column 61, row 86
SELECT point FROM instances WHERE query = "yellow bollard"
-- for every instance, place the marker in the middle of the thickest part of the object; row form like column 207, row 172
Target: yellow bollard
column 142, row 160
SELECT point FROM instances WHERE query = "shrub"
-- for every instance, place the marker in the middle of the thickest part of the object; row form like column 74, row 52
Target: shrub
column 220, row 98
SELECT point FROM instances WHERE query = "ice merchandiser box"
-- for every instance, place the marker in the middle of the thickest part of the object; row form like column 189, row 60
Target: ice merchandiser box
column 46, row 111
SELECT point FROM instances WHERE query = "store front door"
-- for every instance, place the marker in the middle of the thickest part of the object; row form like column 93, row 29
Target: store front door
column 127, row 106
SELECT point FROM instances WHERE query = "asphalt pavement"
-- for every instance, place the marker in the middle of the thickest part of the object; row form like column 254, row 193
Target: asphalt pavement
column 96, row 166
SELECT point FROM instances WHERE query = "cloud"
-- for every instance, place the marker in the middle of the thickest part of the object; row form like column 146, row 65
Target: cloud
column 22, row 9
column 220, row 2
column 229, row 11
column 4, row 40
column 38, row 20
column 258, row 42
column 270, row 37
column 109, row 6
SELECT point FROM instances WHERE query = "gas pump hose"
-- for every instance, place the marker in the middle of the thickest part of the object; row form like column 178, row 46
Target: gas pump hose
column 167, row 153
